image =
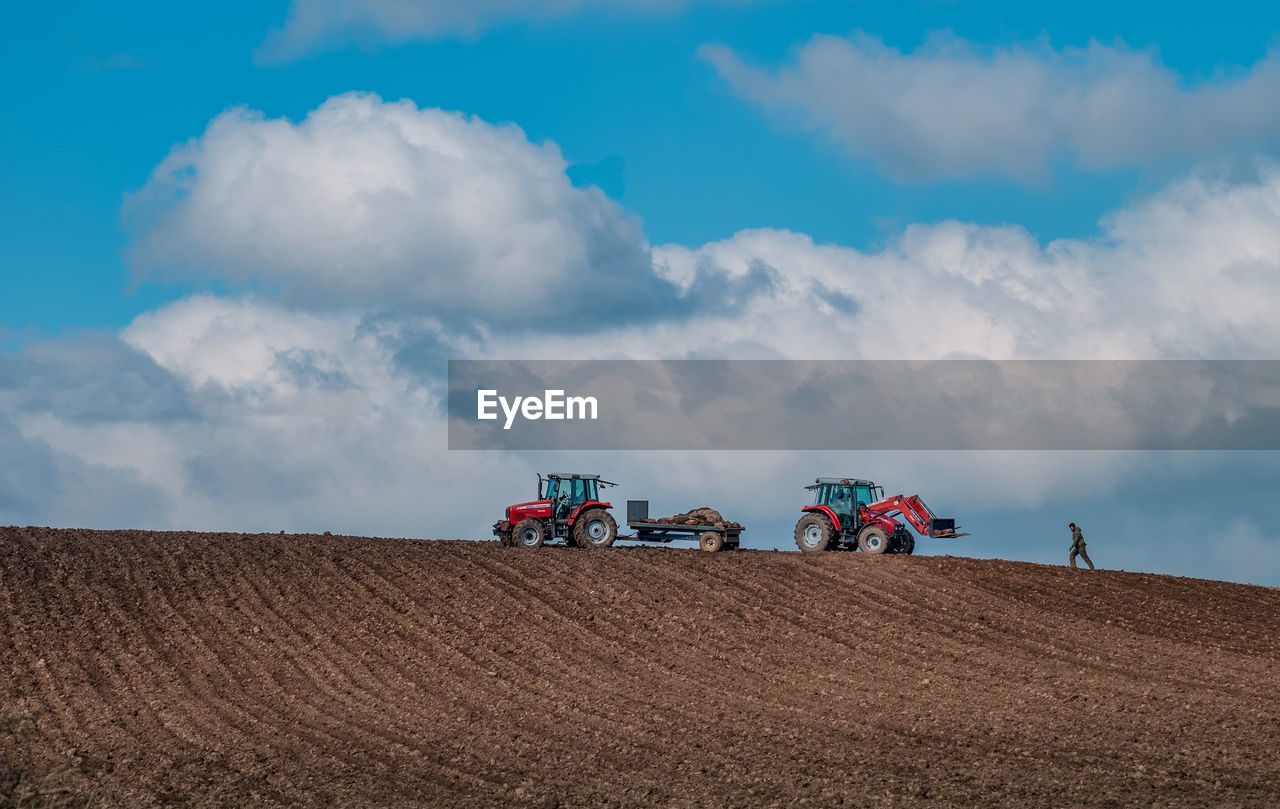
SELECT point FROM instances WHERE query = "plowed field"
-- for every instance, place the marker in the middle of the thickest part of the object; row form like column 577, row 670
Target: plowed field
column 187, row 669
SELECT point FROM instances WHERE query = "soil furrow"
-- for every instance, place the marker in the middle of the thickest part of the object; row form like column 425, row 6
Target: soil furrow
column 207, row 670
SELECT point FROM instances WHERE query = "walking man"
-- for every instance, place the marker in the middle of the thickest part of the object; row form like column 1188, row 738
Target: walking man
column 1077, row 546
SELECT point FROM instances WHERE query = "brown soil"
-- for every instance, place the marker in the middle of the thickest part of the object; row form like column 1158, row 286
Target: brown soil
column 203, row 670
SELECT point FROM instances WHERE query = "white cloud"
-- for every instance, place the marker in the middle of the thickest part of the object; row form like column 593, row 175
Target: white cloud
column 322, row 410
column 40, row 485
column 1190, row 272
column 293, row 420
column 318, row 417
column 954, row 109
column 1187, row 272
column 244, row 346
column 384, row 205
column 351, row 441
column 316, row 24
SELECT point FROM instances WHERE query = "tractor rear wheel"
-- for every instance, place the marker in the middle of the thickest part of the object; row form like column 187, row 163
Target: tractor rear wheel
column 873, row 539
column 529, row 533
column 711, row 541
column 814, row 532
column 595, row 529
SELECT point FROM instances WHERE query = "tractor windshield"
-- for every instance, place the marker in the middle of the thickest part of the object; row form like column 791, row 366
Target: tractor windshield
column 867, row 494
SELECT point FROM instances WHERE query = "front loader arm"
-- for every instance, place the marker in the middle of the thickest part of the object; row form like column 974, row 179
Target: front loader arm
column 914, row 511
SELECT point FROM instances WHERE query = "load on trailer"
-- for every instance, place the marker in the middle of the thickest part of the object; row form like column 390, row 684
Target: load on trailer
column 568, row 507
column 854, row 514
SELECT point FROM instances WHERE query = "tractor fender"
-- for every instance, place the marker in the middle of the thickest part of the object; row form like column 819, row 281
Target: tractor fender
column 831, row 515
column 588, row 505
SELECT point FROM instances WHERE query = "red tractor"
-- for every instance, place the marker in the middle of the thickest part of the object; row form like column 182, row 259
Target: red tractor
column 568, row 507
column 850, row 514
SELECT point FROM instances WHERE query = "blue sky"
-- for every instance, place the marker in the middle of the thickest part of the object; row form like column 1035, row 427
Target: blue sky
column 100, row 93
column 834, row 166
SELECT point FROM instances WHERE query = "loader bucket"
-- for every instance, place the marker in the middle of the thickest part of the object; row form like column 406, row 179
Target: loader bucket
column 943, row 528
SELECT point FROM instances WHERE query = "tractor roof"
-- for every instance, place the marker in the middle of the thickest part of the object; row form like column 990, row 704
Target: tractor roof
column 572, row 475
column 848, row 481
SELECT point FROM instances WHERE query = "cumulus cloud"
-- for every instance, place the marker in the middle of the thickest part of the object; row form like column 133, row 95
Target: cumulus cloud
column 355, row 442
column 954, row 109
column 1189, row 272
column 333, row 416
column 41, row 485
column 91, row 377
column 104, row 386
column 316, row 402
column 289, row 420
column 315, row 24
column 384, row 205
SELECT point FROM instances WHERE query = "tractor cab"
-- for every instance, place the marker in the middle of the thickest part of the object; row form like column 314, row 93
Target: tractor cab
column 566, row 492
column 844, row 496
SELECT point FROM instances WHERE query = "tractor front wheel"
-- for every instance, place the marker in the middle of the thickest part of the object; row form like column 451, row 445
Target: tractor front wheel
column 595, row 529
column 529, row 533
column 905, row 544
column 711, row 541
column 814, row 533
column 873, row 539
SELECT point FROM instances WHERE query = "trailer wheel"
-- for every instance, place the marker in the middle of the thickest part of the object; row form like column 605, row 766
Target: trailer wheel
column 814, row 532
column 711, row 541
column 529, row 533
column 873, row 539
column 595, row 529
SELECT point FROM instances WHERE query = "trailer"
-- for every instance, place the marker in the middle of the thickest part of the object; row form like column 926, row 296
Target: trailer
column 569, row 509
column 710, row 538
